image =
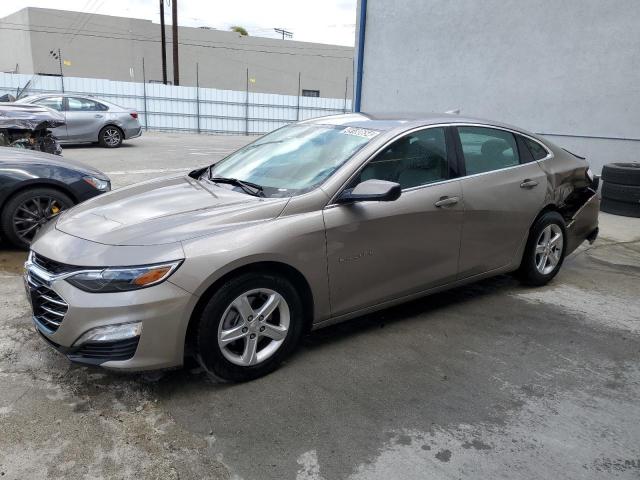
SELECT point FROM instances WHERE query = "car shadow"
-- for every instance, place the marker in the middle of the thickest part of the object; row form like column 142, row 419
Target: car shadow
column 74, row 146
column 11, row 259
column 192, row 376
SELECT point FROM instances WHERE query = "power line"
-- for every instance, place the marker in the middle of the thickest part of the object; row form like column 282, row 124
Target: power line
column 149, row 39
column 285, row 33
column 139, row 37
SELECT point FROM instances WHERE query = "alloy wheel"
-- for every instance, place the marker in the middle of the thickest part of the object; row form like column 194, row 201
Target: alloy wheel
column 111, row 136
column 549, row 247
column 253, row 327
column 33, row 213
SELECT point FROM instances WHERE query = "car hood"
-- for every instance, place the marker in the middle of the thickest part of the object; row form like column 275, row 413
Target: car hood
column 20, row 156
column 165, row 210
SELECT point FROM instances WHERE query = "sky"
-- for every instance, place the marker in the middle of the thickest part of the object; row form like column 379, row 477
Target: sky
column 322, row 21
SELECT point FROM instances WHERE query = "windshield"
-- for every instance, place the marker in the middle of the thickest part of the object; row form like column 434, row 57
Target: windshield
column 293, row 159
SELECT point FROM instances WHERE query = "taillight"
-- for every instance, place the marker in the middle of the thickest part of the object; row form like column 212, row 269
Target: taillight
column 134, row 114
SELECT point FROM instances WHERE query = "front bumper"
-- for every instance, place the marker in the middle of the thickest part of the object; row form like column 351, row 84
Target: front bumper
column 63, row 313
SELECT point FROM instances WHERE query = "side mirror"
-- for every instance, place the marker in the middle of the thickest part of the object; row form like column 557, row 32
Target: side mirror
column 372, row 191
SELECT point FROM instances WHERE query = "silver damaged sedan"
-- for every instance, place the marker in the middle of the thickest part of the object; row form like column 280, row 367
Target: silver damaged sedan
column 313, row 224
column 90, row 119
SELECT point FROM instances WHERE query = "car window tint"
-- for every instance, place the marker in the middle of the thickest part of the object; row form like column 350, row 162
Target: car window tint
column 537, row 150
column 84, row 104
column 487, row 149
column 416, row 159
column 51, row 102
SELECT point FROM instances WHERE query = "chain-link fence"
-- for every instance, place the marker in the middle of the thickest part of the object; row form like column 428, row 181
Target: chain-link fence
column 189, row 109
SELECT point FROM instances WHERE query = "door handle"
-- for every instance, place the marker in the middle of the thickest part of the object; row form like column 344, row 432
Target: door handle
column 97, row 115
column 528, row 183
column 446, row 201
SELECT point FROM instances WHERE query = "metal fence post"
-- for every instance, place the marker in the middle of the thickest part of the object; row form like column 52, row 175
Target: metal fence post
column 346, row 86
column 246, row 109
column 198, row 95
column 298, row 107
column 144, row 93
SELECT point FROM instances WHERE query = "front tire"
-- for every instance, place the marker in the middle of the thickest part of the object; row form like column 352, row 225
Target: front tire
column 545, row 250
column 27, row 211
column 110, row 137
column 249, row 326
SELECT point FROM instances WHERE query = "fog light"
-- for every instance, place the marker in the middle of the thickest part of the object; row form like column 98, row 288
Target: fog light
column 111, row 333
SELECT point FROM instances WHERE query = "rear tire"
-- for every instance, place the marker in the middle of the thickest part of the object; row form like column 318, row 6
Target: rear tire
column 545, row 250
column 227, row 335
column 15, row 218
column 110, row 137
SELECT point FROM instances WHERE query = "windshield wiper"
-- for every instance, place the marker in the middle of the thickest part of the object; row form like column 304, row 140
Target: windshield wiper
column 248, row 187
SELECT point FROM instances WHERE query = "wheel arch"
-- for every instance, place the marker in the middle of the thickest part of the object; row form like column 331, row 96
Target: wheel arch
column 38, row 183
column 111, row 124
column 298, row 280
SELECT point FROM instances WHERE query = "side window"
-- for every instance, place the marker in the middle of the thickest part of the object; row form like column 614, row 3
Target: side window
column 51, row 102
column 414, row 160
column 537, row 150
column 487, row 149
column 84, row 105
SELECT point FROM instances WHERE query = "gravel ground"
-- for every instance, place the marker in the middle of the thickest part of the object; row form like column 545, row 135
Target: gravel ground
column 492, row 380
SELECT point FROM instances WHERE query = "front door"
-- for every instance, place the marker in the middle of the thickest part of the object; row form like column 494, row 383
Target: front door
column 503, row 193
column 379, row 251
column 56, row 103
column 85, row 118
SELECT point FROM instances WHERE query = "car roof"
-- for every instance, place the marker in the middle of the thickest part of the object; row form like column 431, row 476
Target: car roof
column 406, row 121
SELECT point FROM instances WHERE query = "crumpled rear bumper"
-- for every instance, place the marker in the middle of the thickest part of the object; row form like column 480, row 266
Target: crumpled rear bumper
column 584, row 223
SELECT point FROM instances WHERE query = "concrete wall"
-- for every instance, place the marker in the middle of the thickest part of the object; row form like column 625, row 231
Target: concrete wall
column 101, row 46
column 568, row 69
column 15, row 45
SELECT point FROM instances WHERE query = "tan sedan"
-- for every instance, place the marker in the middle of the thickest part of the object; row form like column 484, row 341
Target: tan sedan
column 312, row 224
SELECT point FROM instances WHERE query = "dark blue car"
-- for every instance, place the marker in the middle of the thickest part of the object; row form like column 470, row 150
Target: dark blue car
column 35, row 187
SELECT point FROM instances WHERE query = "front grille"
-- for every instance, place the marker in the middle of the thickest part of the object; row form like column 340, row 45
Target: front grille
column 49, row 308
column 106, row 351
column 52, row 266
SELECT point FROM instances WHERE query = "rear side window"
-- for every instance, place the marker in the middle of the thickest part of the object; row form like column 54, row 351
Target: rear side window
column 84, row 105
column 537, row 150
column 487, row 149
column 51, row 102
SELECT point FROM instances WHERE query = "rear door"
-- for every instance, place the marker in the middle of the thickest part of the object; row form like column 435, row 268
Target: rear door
column 56, row 103
column 379, row 251
column 503, row 190
column 85, row 117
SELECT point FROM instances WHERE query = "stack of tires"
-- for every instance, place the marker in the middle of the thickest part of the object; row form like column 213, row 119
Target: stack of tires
column 621, row 189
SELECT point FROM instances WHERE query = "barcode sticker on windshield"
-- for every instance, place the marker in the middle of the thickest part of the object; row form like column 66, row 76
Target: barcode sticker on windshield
column 360, row 132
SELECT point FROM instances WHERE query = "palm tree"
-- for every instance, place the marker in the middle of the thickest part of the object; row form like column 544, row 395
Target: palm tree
column 240, row 30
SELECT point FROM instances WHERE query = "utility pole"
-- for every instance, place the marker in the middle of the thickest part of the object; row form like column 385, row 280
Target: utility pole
column 61, row 74
column 174, row 21
column 164, row 44
column 285, row 33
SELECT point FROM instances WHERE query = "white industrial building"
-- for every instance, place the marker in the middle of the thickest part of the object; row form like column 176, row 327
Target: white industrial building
column 111, row 47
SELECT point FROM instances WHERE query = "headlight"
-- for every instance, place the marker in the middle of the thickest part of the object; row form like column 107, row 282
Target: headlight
column 102, row 185
column 124, row 279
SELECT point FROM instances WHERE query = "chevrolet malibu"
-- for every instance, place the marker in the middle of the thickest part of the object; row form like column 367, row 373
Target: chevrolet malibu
column 310, row 225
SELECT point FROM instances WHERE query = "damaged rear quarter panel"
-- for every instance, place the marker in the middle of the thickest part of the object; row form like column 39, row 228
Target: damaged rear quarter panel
column 572, row 193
